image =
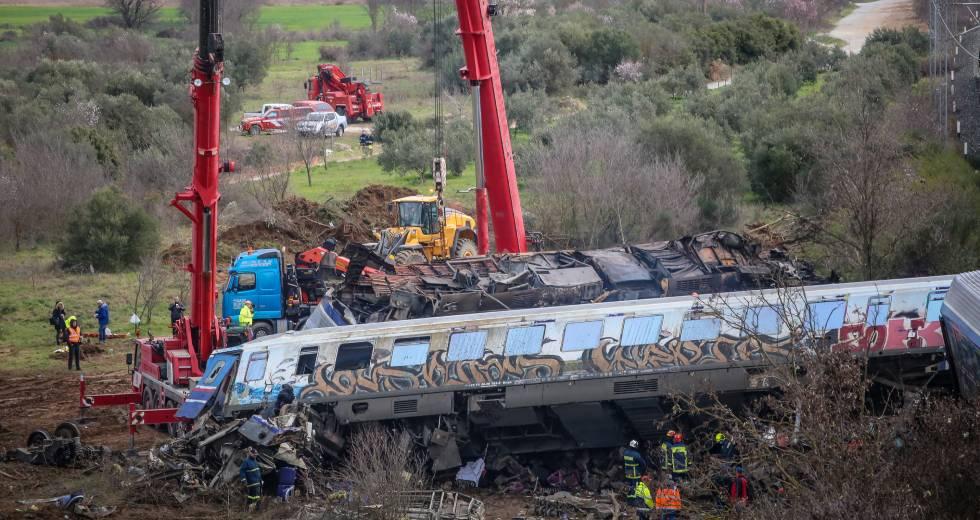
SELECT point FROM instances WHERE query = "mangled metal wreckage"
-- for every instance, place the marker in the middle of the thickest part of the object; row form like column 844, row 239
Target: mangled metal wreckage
column 719, row 261
column 561, row 378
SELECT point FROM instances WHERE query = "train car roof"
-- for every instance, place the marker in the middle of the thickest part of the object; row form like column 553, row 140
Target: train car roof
column 542, row 313
column 964, row 297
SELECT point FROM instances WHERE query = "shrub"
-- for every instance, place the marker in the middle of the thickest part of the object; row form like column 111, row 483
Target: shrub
column 391, row 122
column 109, row 233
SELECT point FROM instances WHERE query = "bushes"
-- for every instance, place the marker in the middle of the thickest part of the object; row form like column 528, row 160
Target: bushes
column 745, row 39
column 109, row 233
column 704, row 150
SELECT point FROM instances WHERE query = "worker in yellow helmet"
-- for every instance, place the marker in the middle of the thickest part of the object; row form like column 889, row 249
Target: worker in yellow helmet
column 245, row 318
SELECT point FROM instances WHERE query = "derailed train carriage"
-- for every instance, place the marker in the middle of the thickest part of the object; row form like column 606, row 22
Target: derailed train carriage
column 713, row 262
column 582, row 376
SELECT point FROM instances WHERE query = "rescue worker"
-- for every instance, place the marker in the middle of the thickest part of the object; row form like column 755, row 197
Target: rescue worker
column 288, row 466
column 176, row 312
column 366, row 140
column 58, row 315
column 679, row 461
column 328, row 264
column 284, row 398
column 102, row 314
column 634, row 466
column 74, row 334
column 644, row 496
column 739, row 493
column 668, row 499
column 665, row 450
column 723, row 447
column 251, row 476
column 245, row 318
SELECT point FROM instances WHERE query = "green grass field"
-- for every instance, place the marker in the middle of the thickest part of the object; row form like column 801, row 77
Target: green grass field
column 314, row 17
column 342, row 179
column 20, row 15
column 30, row 284
column 289, row 17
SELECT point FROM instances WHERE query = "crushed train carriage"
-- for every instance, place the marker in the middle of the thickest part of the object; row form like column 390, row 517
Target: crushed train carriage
column 581, row 376
column 712, row 262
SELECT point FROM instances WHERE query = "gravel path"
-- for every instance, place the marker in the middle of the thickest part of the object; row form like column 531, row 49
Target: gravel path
column 855, row 27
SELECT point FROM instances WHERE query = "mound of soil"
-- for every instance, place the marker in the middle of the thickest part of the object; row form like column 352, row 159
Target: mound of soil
column 299, row 224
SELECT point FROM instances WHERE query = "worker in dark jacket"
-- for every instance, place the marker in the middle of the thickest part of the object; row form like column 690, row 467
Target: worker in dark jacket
column 102, row 315
column 251, row 476
column 723, row 447
column 665, row 450
column 285, row 398
column 57, row 321
column 176, row 311
column 679, row 458
column 634, row 467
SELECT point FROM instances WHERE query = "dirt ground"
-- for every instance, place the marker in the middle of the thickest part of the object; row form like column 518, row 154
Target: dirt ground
column 46, row 399
column 855, row 27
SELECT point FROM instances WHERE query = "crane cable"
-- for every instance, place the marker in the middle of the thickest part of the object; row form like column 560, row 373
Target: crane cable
column 438, row 144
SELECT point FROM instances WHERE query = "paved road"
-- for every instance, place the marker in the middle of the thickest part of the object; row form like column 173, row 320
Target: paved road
column 855, row 27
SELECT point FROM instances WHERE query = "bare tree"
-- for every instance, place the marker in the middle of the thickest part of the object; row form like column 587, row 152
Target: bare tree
column 375, row 9
column 599, row 191
column 40, row 184
column 382, row 466
column 135, row 13
column 266, row 170
column 153, row 279
column 309, row 149
column 868, row 187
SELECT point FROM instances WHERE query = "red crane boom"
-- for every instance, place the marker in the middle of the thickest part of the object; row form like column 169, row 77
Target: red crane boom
column 496, row 179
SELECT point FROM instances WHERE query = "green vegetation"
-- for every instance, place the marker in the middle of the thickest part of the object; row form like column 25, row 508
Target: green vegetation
column 314, row 17
column 342, row 179
column 108, row 233
column 288, row 17
column 21, row 15
column 30, row 284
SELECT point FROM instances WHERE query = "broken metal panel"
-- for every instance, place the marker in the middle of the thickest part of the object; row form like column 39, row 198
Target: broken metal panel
column 592, row 424
column 203, row 394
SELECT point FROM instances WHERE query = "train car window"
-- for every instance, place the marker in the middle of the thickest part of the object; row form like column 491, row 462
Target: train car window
column 825, row 316
column 466, row 345
column 307, row 360
column 642, row 330
column 581, row 336
column 246, row 281
column 354, row 356
column 255, row 371
column 934, row 305
column 524, row 341
column 762, row 320
column 878, row 309
column 409, row 352
column 701, row 330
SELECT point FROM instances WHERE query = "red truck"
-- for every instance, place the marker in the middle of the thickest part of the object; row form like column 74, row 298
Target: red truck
column 347, row 96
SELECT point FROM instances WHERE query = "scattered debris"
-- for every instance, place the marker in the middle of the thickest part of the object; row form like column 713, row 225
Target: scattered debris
column 563, row 503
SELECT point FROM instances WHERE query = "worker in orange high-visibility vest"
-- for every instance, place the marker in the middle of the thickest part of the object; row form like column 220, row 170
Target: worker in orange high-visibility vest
column 74, row 334
column 668, row 499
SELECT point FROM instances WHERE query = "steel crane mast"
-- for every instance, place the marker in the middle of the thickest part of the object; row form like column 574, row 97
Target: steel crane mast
column 496, row 179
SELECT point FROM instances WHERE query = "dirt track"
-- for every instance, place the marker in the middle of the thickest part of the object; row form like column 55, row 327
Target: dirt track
column 855, row 27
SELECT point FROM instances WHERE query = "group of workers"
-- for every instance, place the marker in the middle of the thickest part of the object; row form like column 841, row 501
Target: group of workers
column 663, row 496
column 68, row 329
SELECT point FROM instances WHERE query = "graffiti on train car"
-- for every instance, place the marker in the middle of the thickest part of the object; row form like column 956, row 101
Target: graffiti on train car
column 436, row 372
column 899, row 333
column 672, row 352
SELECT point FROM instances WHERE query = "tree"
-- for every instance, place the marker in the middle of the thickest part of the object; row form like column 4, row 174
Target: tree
column 374, row 9
column 705, row 151
column 589, row 184
column 603, row 51
column 407, row 151
column 135, row 14
column 108, row 233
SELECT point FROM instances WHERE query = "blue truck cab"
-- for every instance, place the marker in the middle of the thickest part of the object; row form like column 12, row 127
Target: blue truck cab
column 257, row 276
